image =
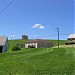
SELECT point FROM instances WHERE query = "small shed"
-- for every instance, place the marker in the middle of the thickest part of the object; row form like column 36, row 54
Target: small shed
column 3, row 44
column 24, row 37
column 38, row 43
column 71, row 39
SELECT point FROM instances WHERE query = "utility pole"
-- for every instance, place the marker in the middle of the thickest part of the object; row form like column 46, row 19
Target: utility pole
column 58, row 36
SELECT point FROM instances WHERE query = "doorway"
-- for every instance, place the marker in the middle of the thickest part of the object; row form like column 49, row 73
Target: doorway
column 1, row 49
column 31, row 46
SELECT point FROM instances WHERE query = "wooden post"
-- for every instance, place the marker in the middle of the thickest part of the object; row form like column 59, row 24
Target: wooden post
column 58, row 36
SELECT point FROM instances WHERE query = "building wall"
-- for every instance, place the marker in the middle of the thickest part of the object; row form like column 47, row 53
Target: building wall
column 71, row 40
column 45, row 45
column 39, row 45
column 5, row 47
column 30, row 44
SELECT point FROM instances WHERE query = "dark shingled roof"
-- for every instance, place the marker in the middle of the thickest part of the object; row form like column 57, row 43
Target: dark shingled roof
column 2, row 40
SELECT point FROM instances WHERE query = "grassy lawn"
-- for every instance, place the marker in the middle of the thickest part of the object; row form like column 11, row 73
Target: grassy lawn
column 41, row 61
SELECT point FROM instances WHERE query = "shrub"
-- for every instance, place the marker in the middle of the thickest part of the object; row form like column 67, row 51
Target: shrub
column 16, row 48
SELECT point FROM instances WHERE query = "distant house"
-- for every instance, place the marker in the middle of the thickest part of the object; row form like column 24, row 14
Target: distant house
column 71, row 39
column 3, row 44
column 38, row 43
column 24, row 37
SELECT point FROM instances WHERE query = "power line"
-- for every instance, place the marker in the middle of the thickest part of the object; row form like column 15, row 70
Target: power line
column 65, row 34
column 47, row 36
column 6, row 7
column 53, row 35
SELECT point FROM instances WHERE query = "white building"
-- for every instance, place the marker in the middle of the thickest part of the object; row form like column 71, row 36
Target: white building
column 71, row 38
column 31, row 44
column 38, row 43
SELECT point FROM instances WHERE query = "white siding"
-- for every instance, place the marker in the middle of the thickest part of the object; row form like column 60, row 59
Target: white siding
column 27, row 44
column 5, row 47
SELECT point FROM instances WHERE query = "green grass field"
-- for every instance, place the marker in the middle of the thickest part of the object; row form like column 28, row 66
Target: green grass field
column 40, row 61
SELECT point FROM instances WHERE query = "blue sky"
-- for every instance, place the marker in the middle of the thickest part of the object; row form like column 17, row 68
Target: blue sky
column 37, row 18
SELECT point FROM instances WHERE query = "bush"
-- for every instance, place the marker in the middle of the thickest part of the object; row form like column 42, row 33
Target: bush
column 16, row 48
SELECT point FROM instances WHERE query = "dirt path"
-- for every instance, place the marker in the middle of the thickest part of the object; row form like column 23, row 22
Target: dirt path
column 65, row 46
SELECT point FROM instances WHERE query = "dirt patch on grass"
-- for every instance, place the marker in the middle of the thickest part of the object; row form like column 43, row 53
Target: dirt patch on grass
column 65, row 46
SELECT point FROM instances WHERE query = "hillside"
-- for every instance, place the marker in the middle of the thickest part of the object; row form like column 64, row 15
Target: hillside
column 22, row 43
column 16, row 42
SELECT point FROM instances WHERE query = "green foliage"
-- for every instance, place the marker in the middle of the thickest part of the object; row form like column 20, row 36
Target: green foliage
column 16, row 48
column 13, row 43
column 61, row 42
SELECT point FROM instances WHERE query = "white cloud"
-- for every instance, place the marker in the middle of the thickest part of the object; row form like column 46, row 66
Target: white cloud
column 38, row 26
